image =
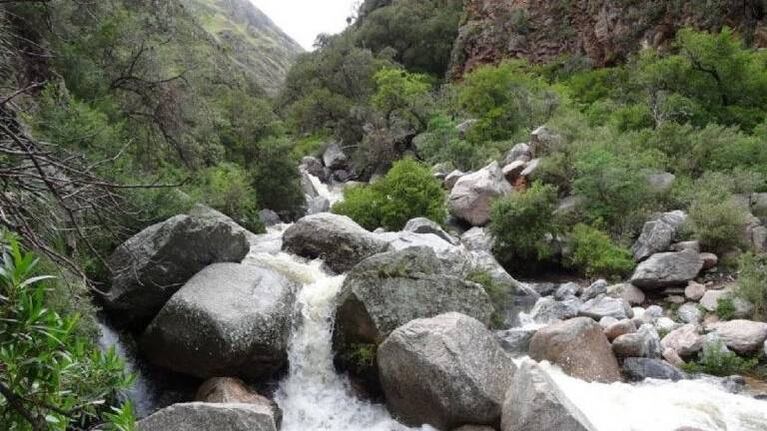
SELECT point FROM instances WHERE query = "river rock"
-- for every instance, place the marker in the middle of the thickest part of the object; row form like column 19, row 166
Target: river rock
column 424, row 226
column 607, row 321
column 444, row 371
column 644, row 343
column 694, row 291
column 690, row 313
column 596, row 288
column 672, row 357
column 578, row 346
column 566, row 290
column 228, row 320
column 638, row 369
column 269, row 217
column 657, row 235
column 390, row 289
column 548, row 310
column 666, row 324
column 150, row 267
column 534, row 402
column 617, row 329
column 228, row 390
column 685, row 341
column 477, row 239
column 334, row 157
column 313, row 166
column 317, row 205
column 632, row 294
column 336, row 239
column 515, row 341
column 667, row 270
column 603, row 305
column 710, row 299
column 210, row 416
column 473, row 194
column 742, row 336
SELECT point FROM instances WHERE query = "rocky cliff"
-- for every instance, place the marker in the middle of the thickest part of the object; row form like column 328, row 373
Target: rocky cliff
column 604, row 31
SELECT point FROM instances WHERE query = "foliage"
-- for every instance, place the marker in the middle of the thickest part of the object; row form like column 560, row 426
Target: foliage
column 752, row 283
column 717, row 361
column 408, row 191
column 52, row 377
column 499, row 296
column 715, row 217
column 442, row 143
column 520, row 223
column 725, row 308
column 593, row 252
column 275, row 177
column 228, row 189
column 402, row 94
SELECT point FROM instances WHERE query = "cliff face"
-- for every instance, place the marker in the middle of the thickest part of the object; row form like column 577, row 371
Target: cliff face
column 605, row 31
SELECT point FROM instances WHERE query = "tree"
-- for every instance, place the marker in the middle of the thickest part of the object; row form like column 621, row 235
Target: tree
column 403, row 95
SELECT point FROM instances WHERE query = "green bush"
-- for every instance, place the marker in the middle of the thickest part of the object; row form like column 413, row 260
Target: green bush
column 228, row 189
column 275, row 178
column 725, row 308
column 520, row 223
column 752, row 283
column 53, row 377
column 716, row 218
column 593, row 253
column 716, row 361
column 408, row 191
column 499, row 297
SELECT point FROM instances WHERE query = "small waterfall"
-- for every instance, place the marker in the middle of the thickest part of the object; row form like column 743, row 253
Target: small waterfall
column 313, row 396
column 333, row 193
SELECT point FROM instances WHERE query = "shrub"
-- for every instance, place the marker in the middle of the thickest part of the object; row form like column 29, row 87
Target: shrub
column 520, row 223
column 593, row 253
column 499, row 296
column 408, row 191
column 725, row 308
column 228, row 189
column 752, row 283
column 717, row 361
column 715, row 217
column 276, row 179
column 52, row 376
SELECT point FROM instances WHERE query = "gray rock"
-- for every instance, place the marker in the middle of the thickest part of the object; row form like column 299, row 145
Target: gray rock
column 567, row 290
column 602, row 306
column 544, row 288
column 390, row 289
column 666, row 325
column 638, row 369
column 619, row 328
column 690, row 313
column 667, row 270
column 569, row 205
column 210, row 416
column 534, row 402
column 657, row 235
column 544, row 140
column 630, row 293
column 694, row 291
column 686, row 245
column 317, row 205
column 530, row 169
column 607, row 321
column 424, row 225
column 520, row 152
column 514, row 170
column 652, row 313
column 710, row 260
column 685, row 341
column 334, row 157
column 269, row 217
column 337, row 240
column 307, row 186
column 580, row 347
column 742, row 336
column 477, row 239
column 343, row 175
column 465, row 126
column 471, row 197
column 710, row 299
column 228, row 320
column 445, row 371
column 228, row 390
column 453, row 178
column 313, row 166
column 661, row 182
column 644, row 343
column 474, row 428
column 596, row 288
column 152, row 265
column 515, row 341
column 548, row 310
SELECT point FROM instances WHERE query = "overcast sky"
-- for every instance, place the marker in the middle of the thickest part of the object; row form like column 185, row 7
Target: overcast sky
column 303, row 20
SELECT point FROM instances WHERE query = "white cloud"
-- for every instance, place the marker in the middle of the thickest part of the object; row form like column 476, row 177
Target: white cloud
column 303, row 20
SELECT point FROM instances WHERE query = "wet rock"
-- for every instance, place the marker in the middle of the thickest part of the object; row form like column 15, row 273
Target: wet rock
column 619, row 328
column 667, row 270
column 690, row 313
column 337, row 240
column 515, row 341
column 638, row 369
column 210, row 416
column 228, row 390
column 644, row 343
column 597, row 288
column 152, row 265
column 334, row 157
column 317, row 205
column 269, row 217
column 390, row 289
column 468, row 373
column 694, row 291
column 548, row 310
column 742, row 336
column 602, row 306
column 685, row 341
column 566, row 290
column 423, row 225
column 472, row 196
column 228, row 320
column 578, row 346
column 520, row 152
column 534, row 402
column 313, row 166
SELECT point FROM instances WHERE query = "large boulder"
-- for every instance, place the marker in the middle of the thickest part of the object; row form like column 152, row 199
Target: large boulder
column 742, row 336
column 423, row 225
column 644, row 343
column 638, row 369
column 336, row 239
column 534, row 402
column 515, row 341
column 667, row 270
column 210, row 416
column 313, row 166
column 686, row 341
column 445, row 371
column 604, row 306
column 334, row 157
column 228, row 390
column 580, row 347
column 519, row 153
column 658, row 235
column 390, row 289
column 473, row 194
column 228, row 320
column 150, row 267
column 548, row 310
